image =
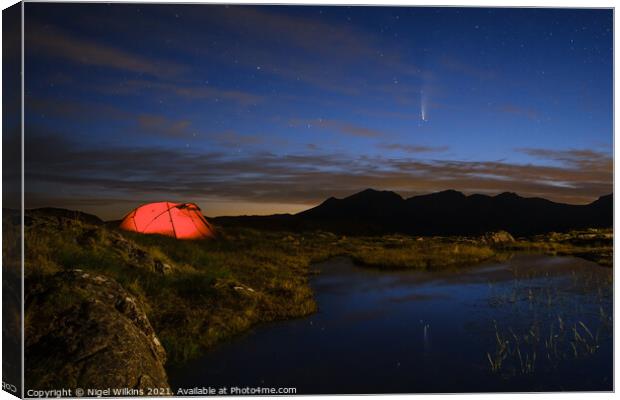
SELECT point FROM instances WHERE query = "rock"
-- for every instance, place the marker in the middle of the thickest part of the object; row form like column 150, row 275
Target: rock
column 59, row 218
column 499, row 237
column 138, row 257
column 84, row 330
column 163, row 267
column 88, row 238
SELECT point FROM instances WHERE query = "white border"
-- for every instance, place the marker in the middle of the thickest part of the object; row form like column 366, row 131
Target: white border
column 465, row 3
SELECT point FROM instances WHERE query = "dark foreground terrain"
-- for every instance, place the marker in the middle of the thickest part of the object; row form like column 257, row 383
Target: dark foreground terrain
column 100, row 301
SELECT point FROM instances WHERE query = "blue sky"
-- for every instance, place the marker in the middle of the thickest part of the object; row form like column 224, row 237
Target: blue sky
column 264, row 109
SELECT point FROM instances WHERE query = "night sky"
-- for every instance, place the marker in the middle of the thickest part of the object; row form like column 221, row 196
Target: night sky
column 260, row 110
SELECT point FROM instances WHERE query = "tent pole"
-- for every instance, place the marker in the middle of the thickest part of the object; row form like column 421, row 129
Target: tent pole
column 171, row 221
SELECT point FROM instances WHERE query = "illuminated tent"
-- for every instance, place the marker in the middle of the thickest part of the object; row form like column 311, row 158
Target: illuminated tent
column 179, row 220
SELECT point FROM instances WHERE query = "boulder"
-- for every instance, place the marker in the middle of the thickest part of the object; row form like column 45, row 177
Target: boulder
column 84, row 330
column 499, row 237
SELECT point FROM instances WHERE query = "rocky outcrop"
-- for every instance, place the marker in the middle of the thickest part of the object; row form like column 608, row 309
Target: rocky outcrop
column 499, row 237
column 83, row 330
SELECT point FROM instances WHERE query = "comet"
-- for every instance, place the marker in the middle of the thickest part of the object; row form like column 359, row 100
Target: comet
column 423, row 111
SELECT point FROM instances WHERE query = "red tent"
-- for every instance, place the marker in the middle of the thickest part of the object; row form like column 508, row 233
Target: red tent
column 179, row 220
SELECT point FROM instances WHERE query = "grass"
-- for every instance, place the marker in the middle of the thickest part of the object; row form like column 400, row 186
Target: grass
column 524, row 352
column 591, row 244
column 422, row 255
column 548, row 323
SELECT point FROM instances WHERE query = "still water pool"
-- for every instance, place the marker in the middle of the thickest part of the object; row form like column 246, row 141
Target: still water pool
column 531, row 323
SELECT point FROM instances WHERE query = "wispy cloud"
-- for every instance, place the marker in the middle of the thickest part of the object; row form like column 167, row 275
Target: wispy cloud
column 137, row 172
column 465, row 68
column 303, row 45
column 519, row 111
column 235, row 139
column 75, row 110
column 570, row 155
column 326, row 56
column 143, row 123
column 57, row 43
column 578, row 158
column 159, row 125
column 342, row 127
column 180, row 89
column 412, row 149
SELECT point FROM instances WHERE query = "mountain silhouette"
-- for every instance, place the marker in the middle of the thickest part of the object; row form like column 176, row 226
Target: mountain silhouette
column 443, row 213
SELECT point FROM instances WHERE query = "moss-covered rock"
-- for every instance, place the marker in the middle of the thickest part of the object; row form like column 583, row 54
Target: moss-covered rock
column 83, row 330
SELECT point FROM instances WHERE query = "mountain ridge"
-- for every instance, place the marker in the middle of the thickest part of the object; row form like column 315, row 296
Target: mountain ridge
column 447, row 212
